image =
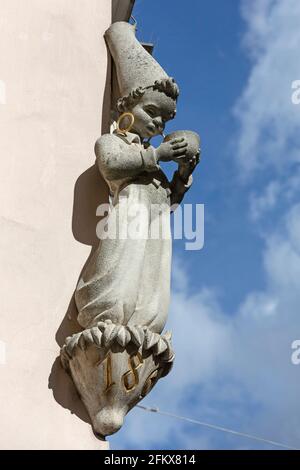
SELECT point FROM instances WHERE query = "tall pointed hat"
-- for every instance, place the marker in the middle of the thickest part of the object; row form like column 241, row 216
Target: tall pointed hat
column 134, row 65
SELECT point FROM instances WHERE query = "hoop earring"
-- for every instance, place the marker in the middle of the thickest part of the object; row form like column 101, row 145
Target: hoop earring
column 128, row 128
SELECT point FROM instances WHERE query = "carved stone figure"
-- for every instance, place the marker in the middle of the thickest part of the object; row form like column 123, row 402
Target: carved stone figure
column 123, row 294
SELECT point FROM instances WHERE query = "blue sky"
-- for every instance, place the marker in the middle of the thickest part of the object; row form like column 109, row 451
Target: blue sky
column 234, row 311
column 202, row 50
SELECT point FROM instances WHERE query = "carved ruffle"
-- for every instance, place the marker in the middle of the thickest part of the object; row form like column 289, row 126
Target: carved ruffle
column 106, row 334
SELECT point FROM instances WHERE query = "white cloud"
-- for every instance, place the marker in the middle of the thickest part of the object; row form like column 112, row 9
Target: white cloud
column 283, row 191
column 269, row 122
column 260, row 204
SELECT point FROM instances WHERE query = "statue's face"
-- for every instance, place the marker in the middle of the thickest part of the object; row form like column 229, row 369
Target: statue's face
column 152, row 112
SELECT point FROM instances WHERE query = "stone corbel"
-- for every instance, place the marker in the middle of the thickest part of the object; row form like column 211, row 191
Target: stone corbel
column 114, row 367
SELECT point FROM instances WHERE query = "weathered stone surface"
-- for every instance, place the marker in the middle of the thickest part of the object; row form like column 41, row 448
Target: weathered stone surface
column 112, row 380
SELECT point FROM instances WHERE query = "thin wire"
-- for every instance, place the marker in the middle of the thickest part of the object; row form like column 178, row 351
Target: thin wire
column 217, row 428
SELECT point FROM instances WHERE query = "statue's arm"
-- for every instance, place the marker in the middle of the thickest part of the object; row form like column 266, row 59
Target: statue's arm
column 117, row 160
column 183, row 179
column 179, row 185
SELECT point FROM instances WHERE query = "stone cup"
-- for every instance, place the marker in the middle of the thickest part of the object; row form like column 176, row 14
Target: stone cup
column 193, row 140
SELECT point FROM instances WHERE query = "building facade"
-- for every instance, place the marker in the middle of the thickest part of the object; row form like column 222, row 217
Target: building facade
column 55, row 98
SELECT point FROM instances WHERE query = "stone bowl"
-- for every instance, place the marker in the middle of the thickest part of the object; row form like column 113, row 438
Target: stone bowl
column 193, row 140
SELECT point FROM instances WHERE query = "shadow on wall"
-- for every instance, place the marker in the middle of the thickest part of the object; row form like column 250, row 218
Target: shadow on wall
column 89, row 192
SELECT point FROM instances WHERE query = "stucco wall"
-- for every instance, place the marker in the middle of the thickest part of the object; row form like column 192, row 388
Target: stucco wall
column 53, row 70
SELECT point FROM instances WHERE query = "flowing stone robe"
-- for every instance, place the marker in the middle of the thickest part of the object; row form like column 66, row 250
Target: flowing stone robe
column 127, row 280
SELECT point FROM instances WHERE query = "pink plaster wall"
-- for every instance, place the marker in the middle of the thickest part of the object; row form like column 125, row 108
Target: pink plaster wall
column 53, row 71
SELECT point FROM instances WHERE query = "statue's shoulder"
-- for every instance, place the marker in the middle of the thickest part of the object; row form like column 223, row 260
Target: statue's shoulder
column 107, row 143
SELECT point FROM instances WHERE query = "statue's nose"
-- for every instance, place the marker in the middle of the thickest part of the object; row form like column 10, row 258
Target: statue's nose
column 159, row 123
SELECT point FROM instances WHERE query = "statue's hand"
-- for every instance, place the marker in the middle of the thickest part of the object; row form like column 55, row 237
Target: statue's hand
column 172, row 150
column 186, row 168
column 193, row 162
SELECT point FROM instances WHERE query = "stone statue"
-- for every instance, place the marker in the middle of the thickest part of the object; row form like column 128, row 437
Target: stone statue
column 123, row 294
